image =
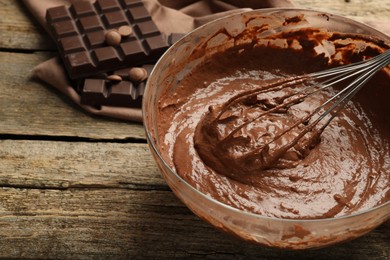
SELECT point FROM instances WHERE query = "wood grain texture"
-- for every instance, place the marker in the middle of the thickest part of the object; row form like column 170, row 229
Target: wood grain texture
column 19, row 30
column 62, row 165
column 29, row 107
column 87, row 223
column 375, row 13
column 357, row 9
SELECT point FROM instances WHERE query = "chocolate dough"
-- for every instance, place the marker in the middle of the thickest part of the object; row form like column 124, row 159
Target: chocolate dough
column 346, row 169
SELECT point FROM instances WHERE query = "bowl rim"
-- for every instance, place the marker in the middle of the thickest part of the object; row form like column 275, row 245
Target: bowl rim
column 210, row 198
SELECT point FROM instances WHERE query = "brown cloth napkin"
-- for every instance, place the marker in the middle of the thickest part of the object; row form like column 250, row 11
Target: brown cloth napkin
column 171, row 16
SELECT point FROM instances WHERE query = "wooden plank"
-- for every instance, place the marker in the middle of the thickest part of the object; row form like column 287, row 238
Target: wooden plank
column 377, row 9
column 29, row 107
column 83, row 200
column 19, row 30
column 60, row 165
column 143, row 224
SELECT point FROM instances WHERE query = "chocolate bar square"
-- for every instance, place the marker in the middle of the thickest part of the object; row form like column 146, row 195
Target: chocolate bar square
column 125, row 93
column 90, row 22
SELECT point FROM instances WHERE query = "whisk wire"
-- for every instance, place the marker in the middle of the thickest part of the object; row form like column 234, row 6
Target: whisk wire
column 306, row 130
column 353, row 66
column 362, row 71
column 348, row 92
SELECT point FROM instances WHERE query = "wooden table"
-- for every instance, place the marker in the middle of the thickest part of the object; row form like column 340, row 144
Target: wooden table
column 77, row 186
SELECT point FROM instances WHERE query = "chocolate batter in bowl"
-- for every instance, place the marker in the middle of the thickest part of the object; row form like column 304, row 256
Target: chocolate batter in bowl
column 335, row 190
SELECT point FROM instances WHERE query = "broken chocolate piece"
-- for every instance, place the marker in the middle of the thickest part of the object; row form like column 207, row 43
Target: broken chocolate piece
column 104, row 91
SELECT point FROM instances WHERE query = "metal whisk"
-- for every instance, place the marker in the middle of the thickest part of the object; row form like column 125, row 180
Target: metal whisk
column 360, row 72
column 264, row 154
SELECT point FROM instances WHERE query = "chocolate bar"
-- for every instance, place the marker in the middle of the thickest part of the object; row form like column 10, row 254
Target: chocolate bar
column 122, row 92
column 81, row 34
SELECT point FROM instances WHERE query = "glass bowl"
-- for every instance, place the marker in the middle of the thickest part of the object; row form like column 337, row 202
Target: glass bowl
column 268, row 231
